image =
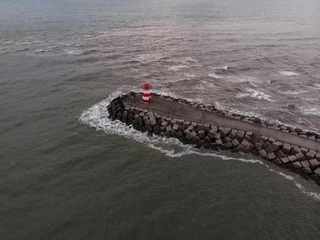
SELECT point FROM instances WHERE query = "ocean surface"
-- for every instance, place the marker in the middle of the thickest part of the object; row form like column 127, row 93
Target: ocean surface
column 68, row 172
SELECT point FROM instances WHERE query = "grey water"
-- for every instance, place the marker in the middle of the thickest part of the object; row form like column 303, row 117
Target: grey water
column 67, row 172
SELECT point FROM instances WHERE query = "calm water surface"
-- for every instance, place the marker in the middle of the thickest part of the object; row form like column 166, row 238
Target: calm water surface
column 67, row 172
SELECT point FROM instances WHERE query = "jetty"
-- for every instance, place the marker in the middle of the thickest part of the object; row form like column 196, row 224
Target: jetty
column 219, row 130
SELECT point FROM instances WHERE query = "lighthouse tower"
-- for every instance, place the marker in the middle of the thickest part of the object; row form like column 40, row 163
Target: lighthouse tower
column 146, row 93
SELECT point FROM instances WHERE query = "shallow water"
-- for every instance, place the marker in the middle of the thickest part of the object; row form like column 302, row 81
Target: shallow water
column 67, row 172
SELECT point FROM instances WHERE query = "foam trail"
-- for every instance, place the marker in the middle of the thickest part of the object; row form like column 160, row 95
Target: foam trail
column 213, row 75
column 177, row 67
column 221, row 68
column 97, row 117
column 288, row 73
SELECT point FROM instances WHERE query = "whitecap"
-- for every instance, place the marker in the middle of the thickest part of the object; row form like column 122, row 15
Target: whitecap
column 288, row 73
column 316, row 85
column 253, row 81
column 190, row 75
column 221, row 68
column 177, row 67
column 254, row 94
column 188, row 59
column 74, row 52
column 213, row 75
column 310, row 111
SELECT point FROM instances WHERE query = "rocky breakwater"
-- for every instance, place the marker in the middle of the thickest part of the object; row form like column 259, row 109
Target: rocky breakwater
column 216, row 136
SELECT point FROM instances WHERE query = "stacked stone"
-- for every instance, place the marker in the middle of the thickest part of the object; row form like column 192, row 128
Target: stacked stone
column 303, row 161
column 254, row 120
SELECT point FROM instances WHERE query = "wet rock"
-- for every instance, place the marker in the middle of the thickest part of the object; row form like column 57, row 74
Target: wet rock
column 286, row 148
column 305, row 163
column 271, row 156
column 277, row 161
column 285, row 160
column 207, row 139
column 311, row 154
column 280, row 154
column 314, row 163
column 307, row 170
column 211, row 134
column 317, row 171
column 263, row 153
column 296, row 164
column 295, row 150
column 201, row 134
column 300, row 156
column 226, row 139
column 228, row 145
column 240, row 135
column 219, row 142
column 258, row 146
column 235, row 142
column 255, row 138
column 175, row 127
column 292, row 158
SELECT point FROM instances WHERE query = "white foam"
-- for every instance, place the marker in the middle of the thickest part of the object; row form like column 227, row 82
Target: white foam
column 177, row 67
column 292, row 92
column 255, row 94
column 74, row 52
column 310, row 111
column 213, row 75
column 288, row 73
column 221, row 68
column 190, row 75
column 316, row 85
column 253, row 81
column 188, row 59
column 150, row 57
column 97, row 117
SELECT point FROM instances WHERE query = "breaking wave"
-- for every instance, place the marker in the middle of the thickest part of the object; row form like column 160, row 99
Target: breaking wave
column 97, row 117
column 254, row 94
column 213, row 75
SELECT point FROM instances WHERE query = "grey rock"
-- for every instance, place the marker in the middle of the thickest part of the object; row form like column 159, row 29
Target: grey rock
column 271, row 156
column 286, row 148
column 300, row 156
column 201, row 134
column 314, row 163
column 311, row 154
column 305, row 163
column 296, row 165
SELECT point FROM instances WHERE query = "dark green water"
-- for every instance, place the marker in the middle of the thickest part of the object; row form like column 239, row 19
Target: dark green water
column 67, row 172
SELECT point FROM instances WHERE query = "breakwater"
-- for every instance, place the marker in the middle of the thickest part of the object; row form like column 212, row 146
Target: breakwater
column 207, row 127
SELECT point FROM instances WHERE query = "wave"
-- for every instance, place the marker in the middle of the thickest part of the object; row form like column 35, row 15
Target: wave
column 188, row 59
column 190, row 75
column 255, row 94
column 213, row 75
column 310, row 111
column 74, row 52
column 288, row 73
column 177, row 67
column 221, row 68
column 253, row 81
column 150, row 57
column 292, row 92
column 97, row 117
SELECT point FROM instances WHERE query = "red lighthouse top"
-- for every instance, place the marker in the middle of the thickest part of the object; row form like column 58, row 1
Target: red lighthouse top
column 146, row 86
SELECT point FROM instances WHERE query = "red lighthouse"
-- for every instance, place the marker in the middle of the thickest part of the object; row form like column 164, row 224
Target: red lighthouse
column 146, row 93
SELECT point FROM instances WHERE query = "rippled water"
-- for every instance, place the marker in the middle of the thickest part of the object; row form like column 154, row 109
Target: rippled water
column 62, row 61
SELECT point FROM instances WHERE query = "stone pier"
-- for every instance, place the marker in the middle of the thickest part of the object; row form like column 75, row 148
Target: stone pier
column 210, row 128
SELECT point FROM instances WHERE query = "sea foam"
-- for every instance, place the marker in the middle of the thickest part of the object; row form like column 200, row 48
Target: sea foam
column 97, row 117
